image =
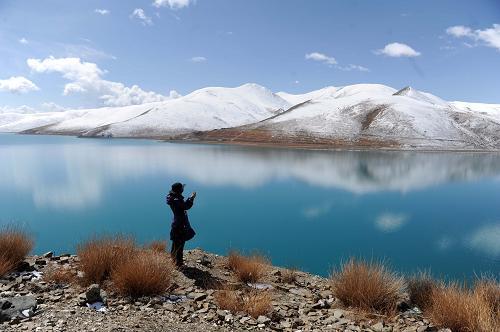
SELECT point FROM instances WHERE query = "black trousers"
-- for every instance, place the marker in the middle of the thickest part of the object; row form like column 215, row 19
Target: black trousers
column 177, row 251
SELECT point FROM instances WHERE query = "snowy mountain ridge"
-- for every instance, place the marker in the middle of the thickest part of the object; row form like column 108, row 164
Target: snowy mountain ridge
column 366, row 115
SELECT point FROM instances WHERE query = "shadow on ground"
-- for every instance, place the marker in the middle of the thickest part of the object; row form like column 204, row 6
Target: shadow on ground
column 202, row 279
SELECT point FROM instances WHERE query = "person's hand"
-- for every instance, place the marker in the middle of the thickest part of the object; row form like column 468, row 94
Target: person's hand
column 193, row 194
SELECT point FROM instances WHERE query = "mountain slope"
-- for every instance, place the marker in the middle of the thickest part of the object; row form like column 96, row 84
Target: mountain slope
column 204, row 109
column 372, row 115
column 360, row 115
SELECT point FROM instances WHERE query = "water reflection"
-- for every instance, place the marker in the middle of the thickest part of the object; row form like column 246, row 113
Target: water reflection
column 75, row 175
column 436, row 210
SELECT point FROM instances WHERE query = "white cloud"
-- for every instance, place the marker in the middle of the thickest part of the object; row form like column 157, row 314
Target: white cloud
column 23, row 109
column 141, row 15
column 398, row 50
column 174, row 94
column 86, row 77
column 332, row 62
column 23, row 41
column 102, row 11
column 173, row 4
column 53, row 107
column 490, row 37
column 486, row 239
column 390, row 222
column 459, row 31
column 17, row 84
column 198, row 59
column 316, row 56
column 351, row 67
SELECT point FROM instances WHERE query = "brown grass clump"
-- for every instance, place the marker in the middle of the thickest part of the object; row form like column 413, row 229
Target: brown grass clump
column 466, row 310
column 249, row 269
column 229, row 300
column 60, row 276
column 257, row 303
column 253, row 303
column 15, row 244
column 99, row 256
column 158, row 246
column 420, row 289
column 289, row 276
column 367, row 286
column 489, row 290
column 146, row 273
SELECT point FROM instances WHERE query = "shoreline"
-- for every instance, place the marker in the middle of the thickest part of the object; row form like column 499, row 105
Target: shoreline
column 269, row 145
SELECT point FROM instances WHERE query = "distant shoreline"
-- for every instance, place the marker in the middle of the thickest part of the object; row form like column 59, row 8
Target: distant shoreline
column 277, row 145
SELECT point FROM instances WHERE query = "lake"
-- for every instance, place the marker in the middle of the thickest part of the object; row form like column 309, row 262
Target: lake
column 305, row 209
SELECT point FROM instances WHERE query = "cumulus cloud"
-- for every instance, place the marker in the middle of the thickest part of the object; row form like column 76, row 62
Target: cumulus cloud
column 86, row 77
column 486, row 239
column 316, row 56
column 490, row 37
column 53, row 107
column 198, row 59
column 398, row 50
column 173, row 4
column 390, row 222
column 17, row 84
column 139, row 14
column 332, row 62
column 102, row 11
column 23, row 109
column 23, row 41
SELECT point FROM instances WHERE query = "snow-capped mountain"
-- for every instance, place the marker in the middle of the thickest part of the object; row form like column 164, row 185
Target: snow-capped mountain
column 361, row 115
column 203, row 109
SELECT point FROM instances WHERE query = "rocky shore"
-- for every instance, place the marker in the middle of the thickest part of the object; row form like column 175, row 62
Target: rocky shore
column 29, row 301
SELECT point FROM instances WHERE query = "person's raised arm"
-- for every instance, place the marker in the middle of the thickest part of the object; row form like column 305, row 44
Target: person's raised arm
column 189, row 202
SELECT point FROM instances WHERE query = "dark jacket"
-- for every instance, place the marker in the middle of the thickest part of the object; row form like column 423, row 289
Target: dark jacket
column 179, row 207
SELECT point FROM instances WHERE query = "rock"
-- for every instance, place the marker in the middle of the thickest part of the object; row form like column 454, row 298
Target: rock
column 338, row 313
column 40, row 262
column 25, row 267
column 301, row 292
column 263, row 320
column 321, row 304
column 94, row 294
column 48, row 254
column 15, row 307
column 379, row 327
column 197, row 296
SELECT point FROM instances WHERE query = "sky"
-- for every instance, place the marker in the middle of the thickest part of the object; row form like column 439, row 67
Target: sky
column 61, row 54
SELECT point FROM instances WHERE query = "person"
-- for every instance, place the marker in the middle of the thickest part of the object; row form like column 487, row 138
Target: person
column 181, row 230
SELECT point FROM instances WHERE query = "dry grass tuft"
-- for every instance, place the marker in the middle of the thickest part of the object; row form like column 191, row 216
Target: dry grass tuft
column 60, row 276
column 99, row 256
column 466, row 310
column 257, row 303
column 229, row 300
column 253, row 303
column 15, row 244
column 249, row 269
column 489, row 290
column 158, row 246
column 367, row 286
column 289, row 276
column 146, row 273
column 421, row 288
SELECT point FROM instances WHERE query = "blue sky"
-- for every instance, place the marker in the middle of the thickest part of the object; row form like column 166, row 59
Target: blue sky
column 101, row 49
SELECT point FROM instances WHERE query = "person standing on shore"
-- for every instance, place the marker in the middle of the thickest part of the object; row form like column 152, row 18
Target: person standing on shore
column 181, row 230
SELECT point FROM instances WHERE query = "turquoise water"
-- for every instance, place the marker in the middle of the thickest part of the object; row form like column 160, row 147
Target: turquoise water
column 304, row 209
